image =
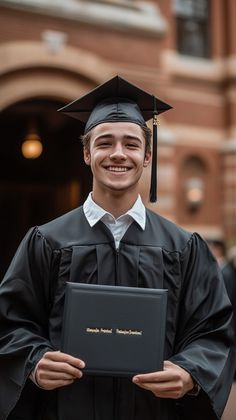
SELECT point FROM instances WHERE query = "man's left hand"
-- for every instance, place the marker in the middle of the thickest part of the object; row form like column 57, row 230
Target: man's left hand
column 172, row 382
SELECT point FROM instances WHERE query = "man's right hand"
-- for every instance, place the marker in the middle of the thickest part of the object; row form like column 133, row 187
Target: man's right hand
column 57, row 369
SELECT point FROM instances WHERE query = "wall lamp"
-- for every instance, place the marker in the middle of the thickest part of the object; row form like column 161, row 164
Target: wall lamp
column 194, row 193
column 32, row 146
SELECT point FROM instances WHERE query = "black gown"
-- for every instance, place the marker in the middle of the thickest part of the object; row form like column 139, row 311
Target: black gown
column 198, row 332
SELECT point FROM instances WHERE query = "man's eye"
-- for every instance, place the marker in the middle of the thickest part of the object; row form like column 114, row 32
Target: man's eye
column 132, row 146
column 103, row 144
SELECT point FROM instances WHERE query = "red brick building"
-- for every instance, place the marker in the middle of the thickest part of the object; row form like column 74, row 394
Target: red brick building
column 53, row 51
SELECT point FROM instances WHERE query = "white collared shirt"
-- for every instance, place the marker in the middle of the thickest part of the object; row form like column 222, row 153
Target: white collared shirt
column 93, row 213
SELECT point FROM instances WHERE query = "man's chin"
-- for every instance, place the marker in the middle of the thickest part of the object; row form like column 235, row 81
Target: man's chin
column 121, row 188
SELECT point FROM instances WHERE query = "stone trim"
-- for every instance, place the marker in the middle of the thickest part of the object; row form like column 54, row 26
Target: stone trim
column 142, row 18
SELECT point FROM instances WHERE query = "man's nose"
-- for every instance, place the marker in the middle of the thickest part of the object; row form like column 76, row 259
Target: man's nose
column 118, row 152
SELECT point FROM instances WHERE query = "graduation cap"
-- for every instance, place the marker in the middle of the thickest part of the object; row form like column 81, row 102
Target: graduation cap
column 118, row 100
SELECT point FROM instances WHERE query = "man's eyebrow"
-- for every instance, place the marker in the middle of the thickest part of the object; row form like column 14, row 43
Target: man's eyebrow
column 104, row 136
column 111, row 136
column 132, row 137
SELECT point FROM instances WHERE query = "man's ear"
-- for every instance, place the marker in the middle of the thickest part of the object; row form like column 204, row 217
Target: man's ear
column 87, row 156
column 147, row 159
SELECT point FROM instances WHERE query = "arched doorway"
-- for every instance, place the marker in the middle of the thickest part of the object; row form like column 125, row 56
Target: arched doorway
column 33, row 191
column 34, row 83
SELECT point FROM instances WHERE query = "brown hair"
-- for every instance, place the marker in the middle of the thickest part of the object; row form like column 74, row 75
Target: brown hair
column 85, row 138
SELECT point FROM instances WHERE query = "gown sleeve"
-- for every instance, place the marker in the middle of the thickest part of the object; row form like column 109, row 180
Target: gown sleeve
column 204, row 338
column 24, row 310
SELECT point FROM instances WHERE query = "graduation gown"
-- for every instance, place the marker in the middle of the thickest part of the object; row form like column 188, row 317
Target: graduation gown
column 198, row 336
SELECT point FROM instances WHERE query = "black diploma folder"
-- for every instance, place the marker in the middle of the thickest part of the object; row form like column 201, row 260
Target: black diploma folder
column 115, row 330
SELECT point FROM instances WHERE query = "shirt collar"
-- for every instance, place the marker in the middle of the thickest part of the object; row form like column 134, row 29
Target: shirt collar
column 93, row 212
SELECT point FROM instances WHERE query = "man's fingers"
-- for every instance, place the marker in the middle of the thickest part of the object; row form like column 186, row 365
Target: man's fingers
column 61, row 367
column 54, row 375
column 57, row 369
column 161, row 390
column 168, row 364
column 160, row 376
column 171, row 372
column 172, row 382
column 58, row 356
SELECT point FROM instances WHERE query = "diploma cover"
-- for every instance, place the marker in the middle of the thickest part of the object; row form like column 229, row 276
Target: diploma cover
column 115, row 330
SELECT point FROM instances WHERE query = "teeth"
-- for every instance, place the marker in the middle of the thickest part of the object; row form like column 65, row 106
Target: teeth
column 117, row 169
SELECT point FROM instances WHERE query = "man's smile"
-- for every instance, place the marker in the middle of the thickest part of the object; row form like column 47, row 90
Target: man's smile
column 117, row 168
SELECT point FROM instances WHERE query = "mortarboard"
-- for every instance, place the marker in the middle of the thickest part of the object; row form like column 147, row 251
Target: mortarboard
column 118, row 100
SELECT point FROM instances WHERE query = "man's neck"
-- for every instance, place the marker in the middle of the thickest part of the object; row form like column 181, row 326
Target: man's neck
column 115, row 204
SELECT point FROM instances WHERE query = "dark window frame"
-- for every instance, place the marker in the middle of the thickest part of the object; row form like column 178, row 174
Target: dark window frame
column 192, row 27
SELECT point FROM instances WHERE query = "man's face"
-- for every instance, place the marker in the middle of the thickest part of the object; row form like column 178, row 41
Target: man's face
column 116, row 156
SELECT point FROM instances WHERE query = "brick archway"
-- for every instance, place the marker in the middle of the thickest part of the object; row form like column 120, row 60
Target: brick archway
column 29, row 69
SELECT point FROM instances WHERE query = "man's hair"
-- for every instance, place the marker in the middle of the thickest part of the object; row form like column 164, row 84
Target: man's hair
column 85, row 138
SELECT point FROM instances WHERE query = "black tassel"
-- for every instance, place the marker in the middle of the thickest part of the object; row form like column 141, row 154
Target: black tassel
column 153, row 186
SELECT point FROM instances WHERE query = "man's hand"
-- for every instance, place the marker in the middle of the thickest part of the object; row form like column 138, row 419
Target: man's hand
column 57, row 369
column 172, row 382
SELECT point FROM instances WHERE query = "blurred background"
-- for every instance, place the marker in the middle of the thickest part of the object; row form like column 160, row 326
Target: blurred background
column 53, row 51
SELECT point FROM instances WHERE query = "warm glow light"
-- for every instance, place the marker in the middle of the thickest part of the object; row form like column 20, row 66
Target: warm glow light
column 195, row 195
column 194, row 192
column 32, row 147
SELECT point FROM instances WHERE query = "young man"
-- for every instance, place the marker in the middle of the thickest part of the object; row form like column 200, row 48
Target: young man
column 38, row 380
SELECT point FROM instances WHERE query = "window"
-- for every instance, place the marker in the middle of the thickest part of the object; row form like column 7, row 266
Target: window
column 192, row 19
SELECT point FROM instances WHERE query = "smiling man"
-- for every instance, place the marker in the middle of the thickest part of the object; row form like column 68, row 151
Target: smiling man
column 39, row 381
column 117, row 154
